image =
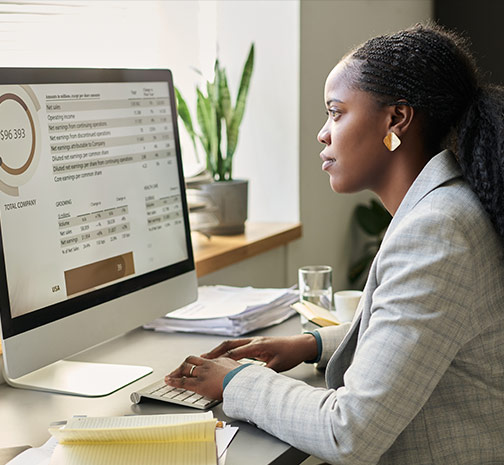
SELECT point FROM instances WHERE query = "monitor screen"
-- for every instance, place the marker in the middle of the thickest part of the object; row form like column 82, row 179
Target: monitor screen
column 92, row 200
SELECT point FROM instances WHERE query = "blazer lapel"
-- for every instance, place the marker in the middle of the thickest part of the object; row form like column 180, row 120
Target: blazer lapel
column 440, row 169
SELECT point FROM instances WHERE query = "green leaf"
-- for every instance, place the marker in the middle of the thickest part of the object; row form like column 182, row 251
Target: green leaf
column 239, row 109
column 185, row 116
column 203, row 118
column 212, row 94
column 205, row 123
column 207, row 120
column 245, row 78
column 183, row 112
column 215, row 139
column 227, row 169
column 373, row 219
column 225, row 97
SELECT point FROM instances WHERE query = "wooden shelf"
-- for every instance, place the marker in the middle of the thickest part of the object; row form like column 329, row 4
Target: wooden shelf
column 212, row 254
column 221, row 251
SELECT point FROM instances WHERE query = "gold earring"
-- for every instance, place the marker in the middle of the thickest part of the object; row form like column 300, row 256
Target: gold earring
column 391, row 141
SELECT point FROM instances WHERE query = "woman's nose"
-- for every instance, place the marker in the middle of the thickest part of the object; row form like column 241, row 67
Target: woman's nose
column 324, row 135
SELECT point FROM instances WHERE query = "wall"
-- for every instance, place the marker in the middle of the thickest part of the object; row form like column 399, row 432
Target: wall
column 483, row 25
column 268, row 147
column 86, row 33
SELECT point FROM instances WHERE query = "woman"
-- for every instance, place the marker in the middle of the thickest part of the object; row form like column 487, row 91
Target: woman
column 419, row 376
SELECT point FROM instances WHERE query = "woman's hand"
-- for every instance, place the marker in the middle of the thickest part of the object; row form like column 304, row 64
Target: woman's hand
column 279, row 353
column 202, row 375
column 206, row 374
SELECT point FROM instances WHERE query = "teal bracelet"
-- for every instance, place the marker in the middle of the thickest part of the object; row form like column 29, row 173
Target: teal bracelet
column 319, row 345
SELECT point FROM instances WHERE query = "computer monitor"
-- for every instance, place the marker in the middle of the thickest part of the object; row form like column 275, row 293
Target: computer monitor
column 95, row 237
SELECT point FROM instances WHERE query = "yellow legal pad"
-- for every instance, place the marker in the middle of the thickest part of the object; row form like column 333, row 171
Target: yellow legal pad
column 180, row 439
column 318, row 315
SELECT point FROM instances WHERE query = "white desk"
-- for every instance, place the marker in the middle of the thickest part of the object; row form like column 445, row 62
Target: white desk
column 25, row 415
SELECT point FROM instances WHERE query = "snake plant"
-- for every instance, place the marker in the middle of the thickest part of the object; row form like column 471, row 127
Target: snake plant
column 214, row 112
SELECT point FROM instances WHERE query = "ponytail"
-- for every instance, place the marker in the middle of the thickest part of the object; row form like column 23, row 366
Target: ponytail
column 480, row 151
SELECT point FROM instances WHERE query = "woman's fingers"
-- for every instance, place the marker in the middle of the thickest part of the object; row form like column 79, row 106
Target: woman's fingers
column 202, row 375
column 185, row 368
column 246, row 351
column 189, row 383
column 225, row 347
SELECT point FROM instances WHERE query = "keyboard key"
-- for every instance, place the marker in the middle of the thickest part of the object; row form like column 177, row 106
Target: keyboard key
column 183, row 395
column 195, row 397
column 156, row 387
column 164, row 391
column 203, row 402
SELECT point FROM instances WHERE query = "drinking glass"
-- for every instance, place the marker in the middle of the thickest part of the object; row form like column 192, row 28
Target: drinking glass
column 315, row 286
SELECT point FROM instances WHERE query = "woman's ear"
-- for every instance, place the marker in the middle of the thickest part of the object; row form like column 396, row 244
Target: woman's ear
column 400, row 117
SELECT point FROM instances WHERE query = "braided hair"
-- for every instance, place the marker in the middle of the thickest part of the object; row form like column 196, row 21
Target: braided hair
column 432, row 70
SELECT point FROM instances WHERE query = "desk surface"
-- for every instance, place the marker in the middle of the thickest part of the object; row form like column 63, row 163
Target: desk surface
column 25, row 415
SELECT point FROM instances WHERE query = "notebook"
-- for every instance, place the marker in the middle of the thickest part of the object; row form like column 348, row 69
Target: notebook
column 181, row 439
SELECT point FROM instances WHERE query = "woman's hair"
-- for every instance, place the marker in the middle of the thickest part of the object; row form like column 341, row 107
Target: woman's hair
column 432, row 70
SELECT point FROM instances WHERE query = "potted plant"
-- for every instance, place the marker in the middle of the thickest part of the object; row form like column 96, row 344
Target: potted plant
column 373, row 220
column 219, row 124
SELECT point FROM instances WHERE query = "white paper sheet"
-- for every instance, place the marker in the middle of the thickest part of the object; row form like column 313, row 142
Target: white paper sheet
column 223, row 437
column 36, row 455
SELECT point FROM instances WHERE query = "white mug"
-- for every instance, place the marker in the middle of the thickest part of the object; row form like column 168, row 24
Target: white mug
column 345, row 303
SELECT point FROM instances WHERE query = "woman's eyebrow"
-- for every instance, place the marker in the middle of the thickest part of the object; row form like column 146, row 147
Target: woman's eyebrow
column 334, row 100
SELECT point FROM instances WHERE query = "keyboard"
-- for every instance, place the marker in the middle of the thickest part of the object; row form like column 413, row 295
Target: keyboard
column 161, row 391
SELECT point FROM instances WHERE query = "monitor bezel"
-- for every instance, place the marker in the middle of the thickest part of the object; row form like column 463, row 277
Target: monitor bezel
column 49, row 314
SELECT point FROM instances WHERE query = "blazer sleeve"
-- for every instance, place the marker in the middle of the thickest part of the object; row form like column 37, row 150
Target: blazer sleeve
column 331, row 337
column 419, row 318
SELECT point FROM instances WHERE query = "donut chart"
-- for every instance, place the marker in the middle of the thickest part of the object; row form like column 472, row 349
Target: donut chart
column 18, row 140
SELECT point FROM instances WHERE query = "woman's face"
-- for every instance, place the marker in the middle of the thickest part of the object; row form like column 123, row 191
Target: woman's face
column 354, row 155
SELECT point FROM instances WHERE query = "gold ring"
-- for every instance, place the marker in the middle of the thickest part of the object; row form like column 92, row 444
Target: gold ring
column 191, row 370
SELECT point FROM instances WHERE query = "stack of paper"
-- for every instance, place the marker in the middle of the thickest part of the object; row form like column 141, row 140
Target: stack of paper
column 230, row 311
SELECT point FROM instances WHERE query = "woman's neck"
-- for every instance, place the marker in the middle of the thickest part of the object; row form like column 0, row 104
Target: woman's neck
column 405, row 169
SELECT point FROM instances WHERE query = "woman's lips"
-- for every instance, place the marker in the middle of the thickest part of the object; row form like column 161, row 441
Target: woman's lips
column 327, row 162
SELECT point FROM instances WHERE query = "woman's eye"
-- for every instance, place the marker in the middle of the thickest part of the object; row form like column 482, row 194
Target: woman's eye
column 333, row 113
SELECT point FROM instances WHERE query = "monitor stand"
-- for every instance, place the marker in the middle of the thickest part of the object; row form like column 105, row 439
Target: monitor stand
column 80, row 378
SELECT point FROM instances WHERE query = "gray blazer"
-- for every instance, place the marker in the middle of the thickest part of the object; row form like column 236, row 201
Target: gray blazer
column 418, row 378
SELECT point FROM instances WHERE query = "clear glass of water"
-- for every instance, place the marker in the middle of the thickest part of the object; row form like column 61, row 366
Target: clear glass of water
column 315, row 286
